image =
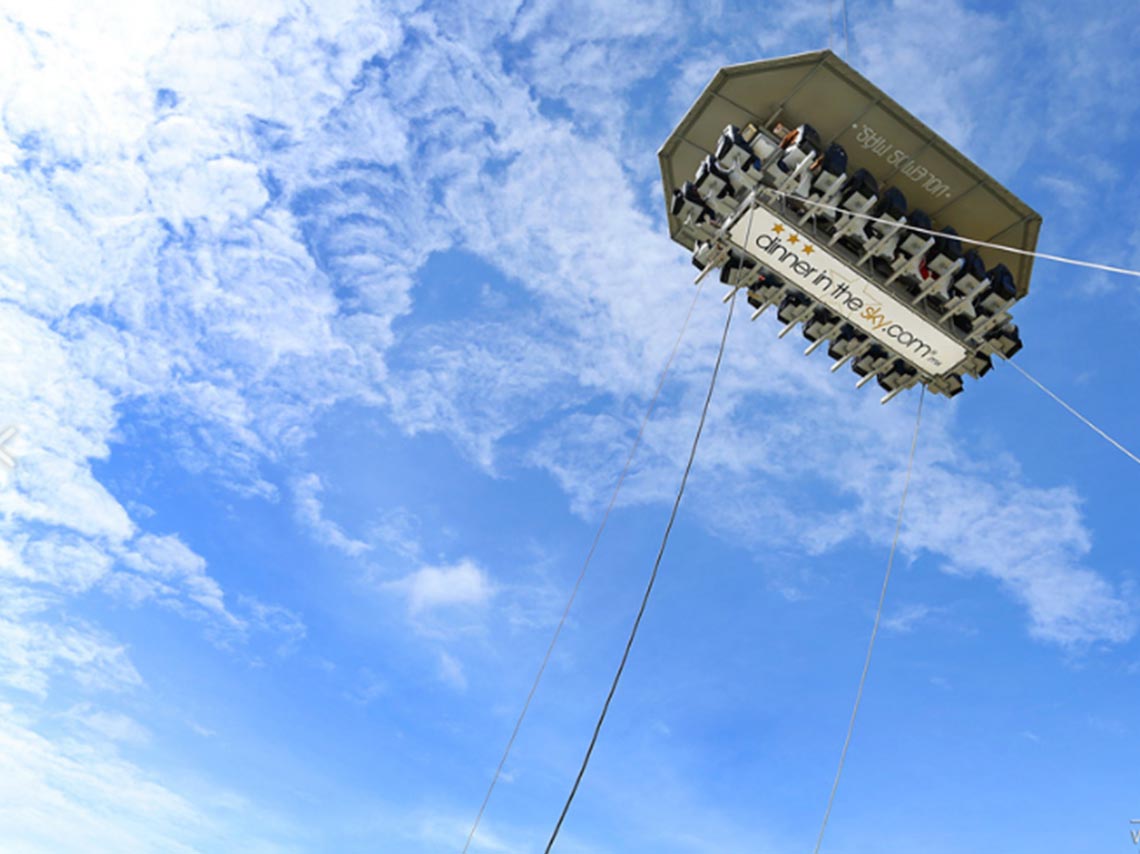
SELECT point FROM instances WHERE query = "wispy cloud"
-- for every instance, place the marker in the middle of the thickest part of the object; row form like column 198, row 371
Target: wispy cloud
column 451, row 671
column 114, row 726
column 906, row 618
column 310, row 512
column 72, row 795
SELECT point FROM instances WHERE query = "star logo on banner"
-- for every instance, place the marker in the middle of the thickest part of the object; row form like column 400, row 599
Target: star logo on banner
column 795, row 238
column 808, row 249
column 778, row 228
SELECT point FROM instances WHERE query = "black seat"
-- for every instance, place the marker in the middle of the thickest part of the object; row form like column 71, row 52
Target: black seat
column 860, row 192
column 820, row 323
column 977, row 364
column 834, row 160
column 688, row 205
column 1006, row 340
column 845, row 341
column 831, row 169
column 916, row 219
column 890, row 208
column 701, row 253
column 973, row 267
column 963, row 323
column 892, row 205
column 1001, row 292
column 801, row 143
column 911, row 247
column 861, row 185
column 712, row 180
column 738, row 271
column 731, row 150
column 808, row 140
column 943, row 255
column 792, row 306
column 946, row 250
column 871, row 361
column 972, row 274
column 766, row 289
column 899, row 374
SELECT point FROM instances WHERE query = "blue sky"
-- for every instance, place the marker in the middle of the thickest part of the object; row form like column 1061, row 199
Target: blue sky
column 327, row 329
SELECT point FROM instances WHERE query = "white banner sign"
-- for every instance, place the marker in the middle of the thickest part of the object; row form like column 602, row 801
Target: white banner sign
column 779, row 246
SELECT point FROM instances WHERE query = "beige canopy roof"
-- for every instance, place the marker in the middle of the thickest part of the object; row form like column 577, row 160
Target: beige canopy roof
column 822, row 90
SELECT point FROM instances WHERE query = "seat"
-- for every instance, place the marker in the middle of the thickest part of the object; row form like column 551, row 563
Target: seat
column 1005, row 340
column 738, row 271
column 766, row 290
column 794, row 307
column 702, row 250
column 846, row 341
column 892, row 206
column 764, row 145
column 899, row 375
column 803, row 142
column 732, row 151
column 946, row 250
column 705, row 253
column 885, row 230
column 715, row 187
column 1000, row 294
column 911, row 251
column 799, row 145
column 941, row 264
column 918, row 222
column 872, row 361
column 689, row 207
column 860, row 193
column 821, row 324
column 949, row 384
column 858, row 197
column 968, row 282
column 964, row 323
column 740, row 159
column 831, row 168
column 977, row 365
column 828, row 176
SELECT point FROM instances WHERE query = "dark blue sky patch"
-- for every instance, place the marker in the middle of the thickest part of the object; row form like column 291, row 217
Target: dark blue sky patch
column 269, row 134
column 456, row 284
column 273, row 185
column 165, row 99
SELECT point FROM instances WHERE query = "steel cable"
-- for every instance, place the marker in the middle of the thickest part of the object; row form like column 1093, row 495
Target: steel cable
column 582, row 572
column 1060, row 259
column 875, row 627
column 649, row 586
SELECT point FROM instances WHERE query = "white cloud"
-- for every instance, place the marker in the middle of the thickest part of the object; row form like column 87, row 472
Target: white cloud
column 974, row 43
column 906, row 618
column 34, row 650
column 430, row 588
column 451, row 671
column 310, row 512
column 164, row 568
column 65, row 794
column 114, row 726
column 286, row 627
column 60, row 796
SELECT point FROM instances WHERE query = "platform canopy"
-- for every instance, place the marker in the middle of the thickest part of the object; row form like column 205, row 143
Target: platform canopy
column 880, row 136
